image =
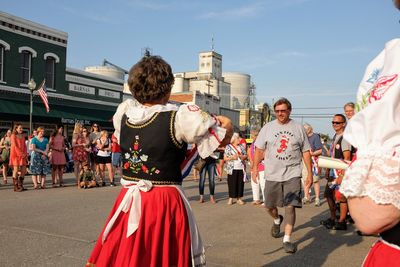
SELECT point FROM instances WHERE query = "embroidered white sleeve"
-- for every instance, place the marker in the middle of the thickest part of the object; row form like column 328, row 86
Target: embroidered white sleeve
column 192, row 125
column 374, row 176
column 121, row 110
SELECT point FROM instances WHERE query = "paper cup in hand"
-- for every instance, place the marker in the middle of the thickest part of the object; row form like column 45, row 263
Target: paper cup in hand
column 332, row 163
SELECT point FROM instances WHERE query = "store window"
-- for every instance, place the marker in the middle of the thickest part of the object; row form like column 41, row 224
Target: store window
column 50, row 66
column 4, row 46
column 26, row 62
column 2, row 62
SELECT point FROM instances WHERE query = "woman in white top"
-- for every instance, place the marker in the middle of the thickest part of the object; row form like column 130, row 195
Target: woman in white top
column 234, row 157
column 103, row 157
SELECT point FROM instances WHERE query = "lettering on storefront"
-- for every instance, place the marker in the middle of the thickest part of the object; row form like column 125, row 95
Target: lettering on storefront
column 110, row 94
column 81, row 89
column 73, row 121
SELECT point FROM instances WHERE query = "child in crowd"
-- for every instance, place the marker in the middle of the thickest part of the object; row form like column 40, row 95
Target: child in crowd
column 151, row 223
column 86, row 177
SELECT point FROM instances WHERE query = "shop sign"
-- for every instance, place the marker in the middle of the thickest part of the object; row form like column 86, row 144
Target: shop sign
column 81, row 89
column 73, row 121
column 110, row 94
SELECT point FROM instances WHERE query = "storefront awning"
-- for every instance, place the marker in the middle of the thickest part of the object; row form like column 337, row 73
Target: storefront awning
column 10, row 108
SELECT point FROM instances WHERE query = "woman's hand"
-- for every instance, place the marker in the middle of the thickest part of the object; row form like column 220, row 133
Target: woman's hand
column 254, row 176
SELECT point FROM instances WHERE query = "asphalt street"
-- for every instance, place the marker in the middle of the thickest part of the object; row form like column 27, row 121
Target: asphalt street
column 59, row 226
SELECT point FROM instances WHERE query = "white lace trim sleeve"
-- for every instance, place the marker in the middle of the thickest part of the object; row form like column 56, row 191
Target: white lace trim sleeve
column 194, row 126
column 376, row 176
column 121, row 110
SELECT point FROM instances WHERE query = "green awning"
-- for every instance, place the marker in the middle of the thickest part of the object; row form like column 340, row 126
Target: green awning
column 57, row 112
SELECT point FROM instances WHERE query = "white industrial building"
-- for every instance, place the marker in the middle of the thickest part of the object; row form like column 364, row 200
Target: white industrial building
column 211, row 89
column 231, row 87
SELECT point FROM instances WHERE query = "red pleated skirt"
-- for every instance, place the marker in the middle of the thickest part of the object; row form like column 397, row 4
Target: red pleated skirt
column 382, row 255
column 162, row 237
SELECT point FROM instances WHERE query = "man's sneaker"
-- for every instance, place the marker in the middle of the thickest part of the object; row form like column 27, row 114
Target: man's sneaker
column 340, row 226
column 276, row 228
column 317, row 202
column 103, row 183
column 289, row 247
column 112, row 184
column 328, row 223
column 306, row 201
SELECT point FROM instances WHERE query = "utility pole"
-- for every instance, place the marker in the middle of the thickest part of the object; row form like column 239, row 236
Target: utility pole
column 252, row 96
column 209, row 84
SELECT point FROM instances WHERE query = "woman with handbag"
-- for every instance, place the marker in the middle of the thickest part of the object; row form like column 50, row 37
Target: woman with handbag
column 79, row 154
column 58, row 160
column 234, row 157
column 5, row 145
column 40, row 165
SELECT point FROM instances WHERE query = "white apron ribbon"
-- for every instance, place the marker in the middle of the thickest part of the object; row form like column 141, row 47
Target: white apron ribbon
column 131, row 201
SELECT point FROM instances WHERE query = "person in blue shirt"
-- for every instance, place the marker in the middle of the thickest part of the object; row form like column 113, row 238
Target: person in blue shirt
column 40, row 165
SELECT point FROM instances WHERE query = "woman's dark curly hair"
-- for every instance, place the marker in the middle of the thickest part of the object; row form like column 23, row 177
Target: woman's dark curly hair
column 150, row 79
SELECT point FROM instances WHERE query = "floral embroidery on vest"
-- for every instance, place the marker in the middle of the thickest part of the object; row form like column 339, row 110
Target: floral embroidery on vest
column 137, row 161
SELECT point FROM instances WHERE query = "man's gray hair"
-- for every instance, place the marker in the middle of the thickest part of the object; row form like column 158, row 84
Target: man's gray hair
column 307, row 127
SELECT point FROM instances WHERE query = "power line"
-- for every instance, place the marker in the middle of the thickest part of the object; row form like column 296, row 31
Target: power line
column 320, row 108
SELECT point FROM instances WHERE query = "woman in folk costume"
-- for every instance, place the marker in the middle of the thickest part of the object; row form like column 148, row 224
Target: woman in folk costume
column 151, row 223
column 372, row 181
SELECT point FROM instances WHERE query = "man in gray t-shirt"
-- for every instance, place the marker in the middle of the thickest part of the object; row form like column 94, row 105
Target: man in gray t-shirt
column 283, row 143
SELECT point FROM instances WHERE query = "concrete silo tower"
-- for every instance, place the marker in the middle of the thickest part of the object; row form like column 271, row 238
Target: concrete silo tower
column 210, row 64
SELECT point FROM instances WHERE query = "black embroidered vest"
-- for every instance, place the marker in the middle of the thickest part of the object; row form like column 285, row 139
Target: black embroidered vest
column 150, row 150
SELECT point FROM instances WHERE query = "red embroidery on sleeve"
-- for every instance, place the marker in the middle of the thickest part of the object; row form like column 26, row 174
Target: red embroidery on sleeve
column 193, row 108
column 212, row 132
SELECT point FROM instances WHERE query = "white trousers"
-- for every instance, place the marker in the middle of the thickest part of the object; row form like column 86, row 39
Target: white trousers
column 256, row 187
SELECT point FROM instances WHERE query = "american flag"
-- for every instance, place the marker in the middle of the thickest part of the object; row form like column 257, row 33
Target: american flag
column 43, row 95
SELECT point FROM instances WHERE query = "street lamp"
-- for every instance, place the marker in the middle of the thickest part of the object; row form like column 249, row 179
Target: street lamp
column 32, row 87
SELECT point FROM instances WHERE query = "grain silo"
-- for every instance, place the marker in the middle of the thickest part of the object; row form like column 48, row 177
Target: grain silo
column 240, row 88
column 108, row 71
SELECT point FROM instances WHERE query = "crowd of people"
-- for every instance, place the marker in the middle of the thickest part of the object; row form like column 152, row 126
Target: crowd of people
column 152, row 223
column 92, row 154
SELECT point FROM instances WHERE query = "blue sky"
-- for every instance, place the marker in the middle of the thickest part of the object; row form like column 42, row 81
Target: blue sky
column 313, row 52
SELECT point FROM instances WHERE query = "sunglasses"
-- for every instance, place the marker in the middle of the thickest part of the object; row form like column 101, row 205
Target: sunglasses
column 280, row 110
column 337, row 122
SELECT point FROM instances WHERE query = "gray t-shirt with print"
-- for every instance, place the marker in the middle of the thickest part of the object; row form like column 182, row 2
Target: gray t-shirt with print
column 284, row 145
column 344, row 145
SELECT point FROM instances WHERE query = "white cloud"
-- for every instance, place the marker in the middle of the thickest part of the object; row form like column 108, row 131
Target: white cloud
column 346, row 51
column 90, row 16
column 234, row 13
column 152, row 5
column 293, row 2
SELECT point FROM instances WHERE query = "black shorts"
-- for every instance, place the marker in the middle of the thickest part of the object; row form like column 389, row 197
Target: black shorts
column 103, row 160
